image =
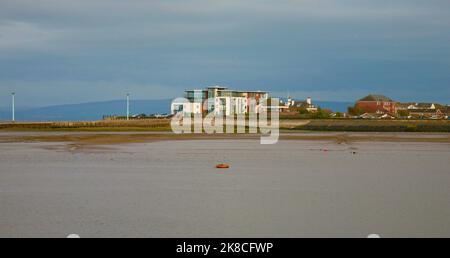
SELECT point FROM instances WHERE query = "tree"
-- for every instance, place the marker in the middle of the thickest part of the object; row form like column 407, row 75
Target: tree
column 303, row 111
column 321, row 114
column 402, row 113
column 355, row 111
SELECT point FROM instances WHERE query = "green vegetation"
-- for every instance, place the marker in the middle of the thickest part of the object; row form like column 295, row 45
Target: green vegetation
column 97, row 126
column 339, row 115
column 359, row 125
column 402, row 113
column 163, row 125
column 303, row 113
column 354, row 111
column 320, row 114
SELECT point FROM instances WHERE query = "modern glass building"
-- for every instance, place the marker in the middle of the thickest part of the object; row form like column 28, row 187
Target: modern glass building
column 220, row 100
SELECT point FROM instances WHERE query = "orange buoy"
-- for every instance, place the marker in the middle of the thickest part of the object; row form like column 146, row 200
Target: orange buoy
column 223, row 165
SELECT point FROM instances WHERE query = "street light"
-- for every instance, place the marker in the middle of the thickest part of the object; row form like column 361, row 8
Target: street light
column 128, row 106
column 13, row 96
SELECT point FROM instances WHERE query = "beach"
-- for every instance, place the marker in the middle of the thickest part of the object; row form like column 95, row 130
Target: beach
column 156, row 185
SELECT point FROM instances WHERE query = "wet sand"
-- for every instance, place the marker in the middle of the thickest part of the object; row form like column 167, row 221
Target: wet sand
column 296, row 188
column 84, row 139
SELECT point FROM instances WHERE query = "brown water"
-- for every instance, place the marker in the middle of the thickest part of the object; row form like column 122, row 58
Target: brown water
column 172, row 189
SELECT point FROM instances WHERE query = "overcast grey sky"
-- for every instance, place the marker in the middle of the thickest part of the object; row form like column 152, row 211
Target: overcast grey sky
column 60, row 51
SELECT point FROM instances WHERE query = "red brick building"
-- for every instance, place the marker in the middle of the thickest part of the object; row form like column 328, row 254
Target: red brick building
column 378, row 104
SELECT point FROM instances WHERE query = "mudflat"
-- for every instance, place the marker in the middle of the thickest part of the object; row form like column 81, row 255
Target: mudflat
column 108, row 138
column 157, row 185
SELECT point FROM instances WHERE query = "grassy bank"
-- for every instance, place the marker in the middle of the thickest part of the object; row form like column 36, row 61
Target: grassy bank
column 163, row 125
column 94, row 126
column 358, row 125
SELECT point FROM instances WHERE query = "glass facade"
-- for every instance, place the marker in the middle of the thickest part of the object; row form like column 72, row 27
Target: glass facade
column 220, row 99
column 196, row 95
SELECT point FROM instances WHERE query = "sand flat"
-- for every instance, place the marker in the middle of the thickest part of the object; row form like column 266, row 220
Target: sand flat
column 308, row 188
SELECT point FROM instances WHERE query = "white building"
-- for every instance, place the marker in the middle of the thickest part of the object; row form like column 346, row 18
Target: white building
column 219, row 100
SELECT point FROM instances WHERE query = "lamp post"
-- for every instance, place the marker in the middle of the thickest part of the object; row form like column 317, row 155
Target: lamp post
column 13, row 96
column 128, row 106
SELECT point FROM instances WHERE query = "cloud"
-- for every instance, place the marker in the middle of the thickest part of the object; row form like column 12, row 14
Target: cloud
column 19, row 35
column 62, row 48
column 84, row 24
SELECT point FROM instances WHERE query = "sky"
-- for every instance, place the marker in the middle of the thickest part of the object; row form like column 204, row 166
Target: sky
column 63, row 52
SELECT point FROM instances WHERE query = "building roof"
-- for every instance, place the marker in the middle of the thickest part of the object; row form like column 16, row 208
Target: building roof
column 217, row 87
column 375, row 97
column 440, row 106
column 377, row 116
column 252, row 91
column 304, row 104
column 403, row 104
column 369, row 115
column 222, row 89
column 424, row 105
column 426, row 110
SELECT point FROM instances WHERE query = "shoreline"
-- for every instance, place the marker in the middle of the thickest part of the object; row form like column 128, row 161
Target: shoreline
column 112, row 138
column 291, row 125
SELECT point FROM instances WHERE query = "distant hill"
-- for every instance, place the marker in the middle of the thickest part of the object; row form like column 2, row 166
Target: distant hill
column 87, row 111
column 96, row 110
